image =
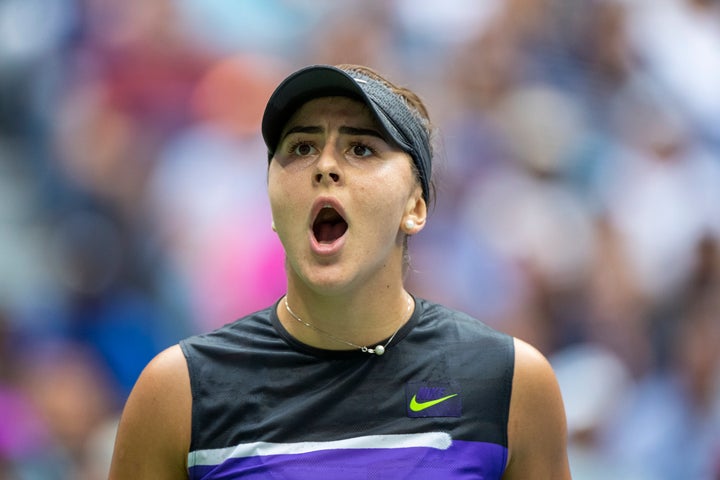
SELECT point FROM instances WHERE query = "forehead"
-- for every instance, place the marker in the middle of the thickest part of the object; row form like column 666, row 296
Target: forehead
column 324, row 109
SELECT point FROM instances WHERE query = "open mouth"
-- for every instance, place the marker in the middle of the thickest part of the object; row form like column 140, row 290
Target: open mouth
column 329, row 225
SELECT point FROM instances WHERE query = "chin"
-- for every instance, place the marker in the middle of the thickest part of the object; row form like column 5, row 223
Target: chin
column 324, row 280
column 330, row 285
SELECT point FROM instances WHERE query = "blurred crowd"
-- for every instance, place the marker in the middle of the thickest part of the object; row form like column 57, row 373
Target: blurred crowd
column 578, row 201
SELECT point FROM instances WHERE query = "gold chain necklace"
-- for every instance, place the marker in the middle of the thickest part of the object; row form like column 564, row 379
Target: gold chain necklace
column 378, row 350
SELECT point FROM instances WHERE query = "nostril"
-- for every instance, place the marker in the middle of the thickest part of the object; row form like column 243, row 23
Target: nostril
column 334, row 177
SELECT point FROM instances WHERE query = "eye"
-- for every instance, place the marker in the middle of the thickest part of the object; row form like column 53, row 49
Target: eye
column 302, row 149
column 361, row 150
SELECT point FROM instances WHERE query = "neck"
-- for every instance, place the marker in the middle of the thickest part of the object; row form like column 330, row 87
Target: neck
column 361, row 317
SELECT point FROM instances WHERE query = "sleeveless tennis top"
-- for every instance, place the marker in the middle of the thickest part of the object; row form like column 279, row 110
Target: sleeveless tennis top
column 434, row 406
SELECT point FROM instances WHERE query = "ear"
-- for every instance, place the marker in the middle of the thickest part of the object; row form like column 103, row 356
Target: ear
column 415, row 213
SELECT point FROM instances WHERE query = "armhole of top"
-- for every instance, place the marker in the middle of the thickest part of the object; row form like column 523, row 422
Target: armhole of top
column 508, row 387
column 187, row 353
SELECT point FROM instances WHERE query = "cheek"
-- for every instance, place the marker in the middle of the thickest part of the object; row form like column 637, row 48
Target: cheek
column 391, row 186
column 383, row 202
column 281, row 196
column 279, row 182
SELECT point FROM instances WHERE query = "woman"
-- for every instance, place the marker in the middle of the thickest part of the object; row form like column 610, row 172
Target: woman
column 348, row 375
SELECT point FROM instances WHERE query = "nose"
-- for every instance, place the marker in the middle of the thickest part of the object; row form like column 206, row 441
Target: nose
column 327, row 168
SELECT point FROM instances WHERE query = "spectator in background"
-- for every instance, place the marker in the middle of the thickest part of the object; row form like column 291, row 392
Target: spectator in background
column 206, row 204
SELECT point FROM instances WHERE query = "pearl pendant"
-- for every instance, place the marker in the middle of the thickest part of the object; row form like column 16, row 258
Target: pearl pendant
column 379, row 350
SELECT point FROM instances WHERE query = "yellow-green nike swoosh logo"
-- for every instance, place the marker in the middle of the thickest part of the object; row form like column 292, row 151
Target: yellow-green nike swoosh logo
column 416, row 406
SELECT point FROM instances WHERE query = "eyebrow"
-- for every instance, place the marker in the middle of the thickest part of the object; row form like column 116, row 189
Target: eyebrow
column 302, row 129
column 344, row 130
column 361, row 131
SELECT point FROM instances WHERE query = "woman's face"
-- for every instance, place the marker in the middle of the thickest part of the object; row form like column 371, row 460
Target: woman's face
column 340, row 195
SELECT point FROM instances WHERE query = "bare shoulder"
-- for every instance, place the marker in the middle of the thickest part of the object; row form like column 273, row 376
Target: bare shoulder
column 533, row 373
column 537, row 425
column 154, row 432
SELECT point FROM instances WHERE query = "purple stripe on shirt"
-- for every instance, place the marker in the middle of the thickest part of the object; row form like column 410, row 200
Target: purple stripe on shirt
column 463, row 460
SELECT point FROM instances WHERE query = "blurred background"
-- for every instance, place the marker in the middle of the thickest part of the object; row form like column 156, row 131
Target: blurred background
column 578, row 181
